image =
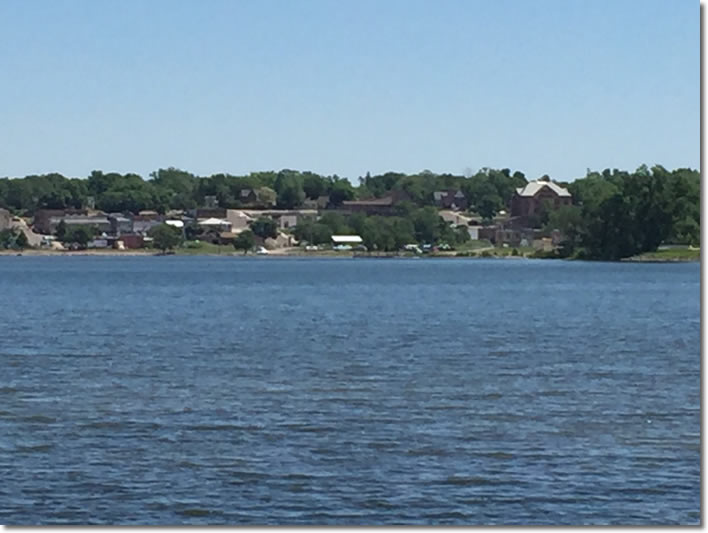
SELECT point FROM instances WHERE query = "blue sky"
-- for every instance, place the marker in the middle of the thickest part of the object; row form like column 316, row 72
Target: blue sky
column 348, row 86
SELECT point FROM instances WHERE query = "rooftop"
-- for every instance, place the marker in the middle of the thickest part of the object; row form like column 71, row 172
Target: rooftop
column 346, row 239
column 533, row 187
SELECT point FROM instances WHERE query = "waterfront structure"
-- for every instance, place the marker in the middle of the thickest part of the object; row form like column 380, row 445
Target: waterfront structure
column 346, row 239
column 531, row 198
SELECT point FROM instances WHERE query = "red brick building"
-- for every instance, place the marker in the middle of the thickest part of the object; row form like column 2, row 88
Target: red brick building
column 529, row 200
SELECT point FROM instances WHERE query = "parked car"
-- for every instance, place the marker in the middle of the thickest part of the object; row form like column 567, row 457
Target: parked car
column 261, row 251
column 342, row 248
column 311, row 248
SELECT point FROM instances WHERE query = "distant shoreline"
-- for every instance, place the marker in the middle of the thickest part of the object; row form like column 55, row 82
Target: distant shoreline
column 307, row 255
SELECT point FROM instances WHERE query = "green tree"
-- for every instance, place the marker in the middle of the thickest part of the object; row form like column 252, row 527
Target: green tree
column 245, row 241
column 267, row 196
column 314, row 186
column 165, row 237
column 340, row 191
column 336, row 223
column 21, row 240
column 13, row 238
column 61, row 230
column 462, row 234
column 265, row 227
column 80, row 235
column 426, row 223
column 313, row 232
column 290, row 194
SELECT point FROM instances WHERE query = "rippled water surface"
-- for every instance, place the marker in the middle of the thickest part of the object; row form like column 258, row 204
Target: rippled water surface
column 168, row 390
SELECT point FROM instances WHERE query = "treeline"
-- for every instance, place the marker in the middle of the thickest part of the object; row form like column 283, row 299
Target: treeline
column 615, row 213
column 488, row 190
column 390, row 233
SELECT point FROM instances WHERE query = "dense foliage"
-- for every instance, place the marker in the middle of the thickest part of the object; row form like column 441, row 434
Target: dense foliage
column 79, row 236
column 245, row 241
column 165, row 237
column 265, row 227
column 12, row 239
column 619, row 214
column 614, row 214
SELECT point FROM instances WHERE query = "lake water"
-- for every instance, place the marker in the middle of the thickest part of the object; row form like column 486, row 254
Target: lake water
column 197, row 390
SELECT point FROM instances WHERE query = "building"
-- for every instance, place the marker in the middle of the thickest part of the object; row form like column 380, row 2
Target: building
column 143, row 223
column 120, row 224
column 238, row 219
column 376, row 206
column 132, row 242
column 216, row 224
column 474, row 232
column 321, row 202
column 453, row 199
column 530, row 199
column 285, row 218
column 248, row 196
column 346, row 239
column 101, row 223
column 46, row 220
column 5, row 219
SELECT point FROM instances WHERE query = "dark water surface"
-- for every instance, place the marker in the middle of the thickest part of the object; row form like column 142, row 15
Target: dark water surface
column 170, row 390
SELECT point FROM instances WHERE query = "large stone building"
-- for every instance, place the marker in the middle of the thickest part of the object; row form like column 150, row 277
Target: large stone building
column 529, row 200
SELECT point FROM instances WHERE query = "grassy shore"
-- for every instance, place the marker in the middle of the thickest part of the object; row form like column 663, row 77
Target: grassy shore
column 208, row 249
column 670, row 255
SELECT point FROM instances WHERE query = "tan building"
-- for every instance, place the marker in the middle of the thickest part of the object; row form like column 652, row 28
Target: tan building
column 5, row 219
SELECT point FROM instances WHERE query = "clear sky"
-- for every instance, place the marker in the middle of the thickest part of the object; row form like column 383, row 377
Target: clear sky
column 348, row 86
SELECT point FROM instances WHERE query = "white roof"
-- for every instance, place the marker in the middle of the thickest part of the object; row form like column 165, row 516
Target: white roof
column 175, row 223
column 214, row 222
column 532, row 187
column 346, row 239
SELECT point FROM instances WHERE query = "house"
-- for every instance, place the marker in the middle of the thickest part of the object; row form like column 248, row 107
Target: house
column 143, row 223
column 285, row 218
column 217, row 224
column 101, row 223
column 531, row 198
column 454, row 219
column 248, row 196
column 321, row 202
column 376, row 206
column 5, row 219
column 487, row 233
column 132, row 241
column 120, row 224
column 238, row 219
column 474, row 232
column 46, row 220
column 453, row 199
